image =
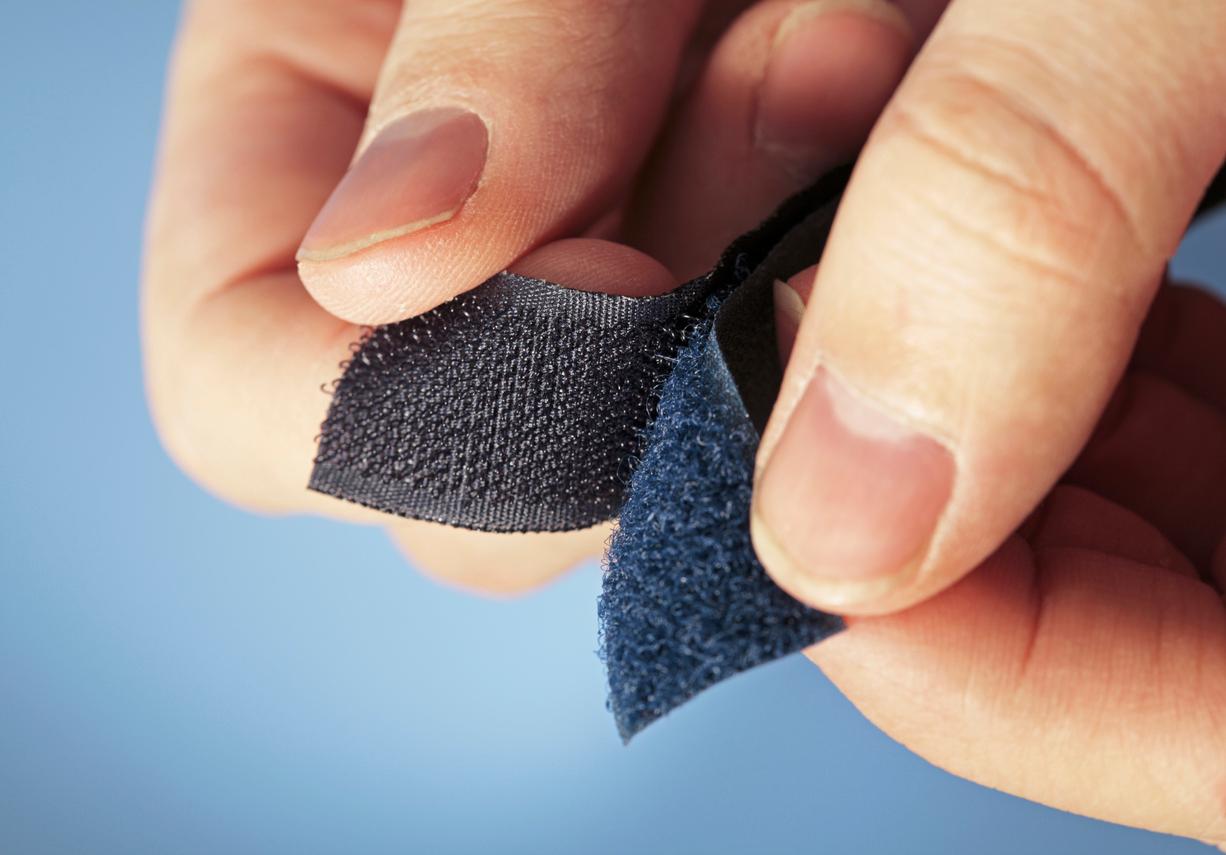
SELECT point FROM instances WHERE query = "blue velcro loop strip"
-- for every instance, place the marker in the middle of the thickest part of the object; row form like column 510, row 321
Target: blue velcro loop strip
column 685, row 601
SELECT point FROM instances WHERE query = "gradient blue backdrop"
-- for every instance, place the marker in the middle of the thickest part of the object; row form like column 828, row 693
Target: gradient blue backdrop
column 179, row 677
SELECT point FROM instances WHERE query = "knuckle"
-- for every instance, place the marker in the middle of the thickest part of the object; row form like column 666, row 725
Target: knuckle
column 178, row 427
column 1007, row 173
column 202, row 415
column 176, row 414
column 479, row 49
column 171, row 421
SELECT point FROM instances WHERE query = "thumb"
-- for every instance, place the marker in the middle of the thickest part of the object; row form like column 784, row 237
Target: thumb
column 996, row 252
column 496, row 126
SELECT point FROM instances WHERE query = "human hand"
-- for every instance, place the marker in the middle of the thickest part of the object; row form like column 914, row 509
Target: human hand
column 971, row 323
column 266, row 105
column 268, row 99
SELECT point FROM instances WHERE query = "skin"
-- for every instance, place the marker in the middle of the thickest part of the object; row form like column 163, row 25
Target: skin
column 1064, row 637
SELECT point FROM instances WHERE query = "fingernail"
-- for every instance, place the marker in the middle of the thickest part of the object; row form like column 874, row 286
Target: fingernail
column 849, row 498
column 797, row 114
column 416, row 173
column 789, row 309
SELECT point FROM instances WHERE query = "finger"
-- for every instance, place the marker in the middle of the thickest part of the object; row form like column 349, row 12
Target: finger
column 1074, row 678
column 1162, row 453
column 497, row 126
column 788, row 93
column 790, row 299
column 1075, row 518
column 1005, row 230
column 923, row 14
column 1217, row 569
column 265, row 104
column 265, row 101
column 494, row 564
column 587, row 264
column 1184, row 340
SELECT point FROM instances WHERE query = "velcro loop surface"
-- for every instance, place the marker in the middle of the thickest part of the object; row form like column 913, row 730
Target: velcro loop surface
column 685, row 601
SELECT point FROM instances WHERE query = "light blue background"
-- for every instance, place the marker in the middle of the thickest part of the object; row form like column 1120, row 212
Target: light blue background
column 179, row 677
